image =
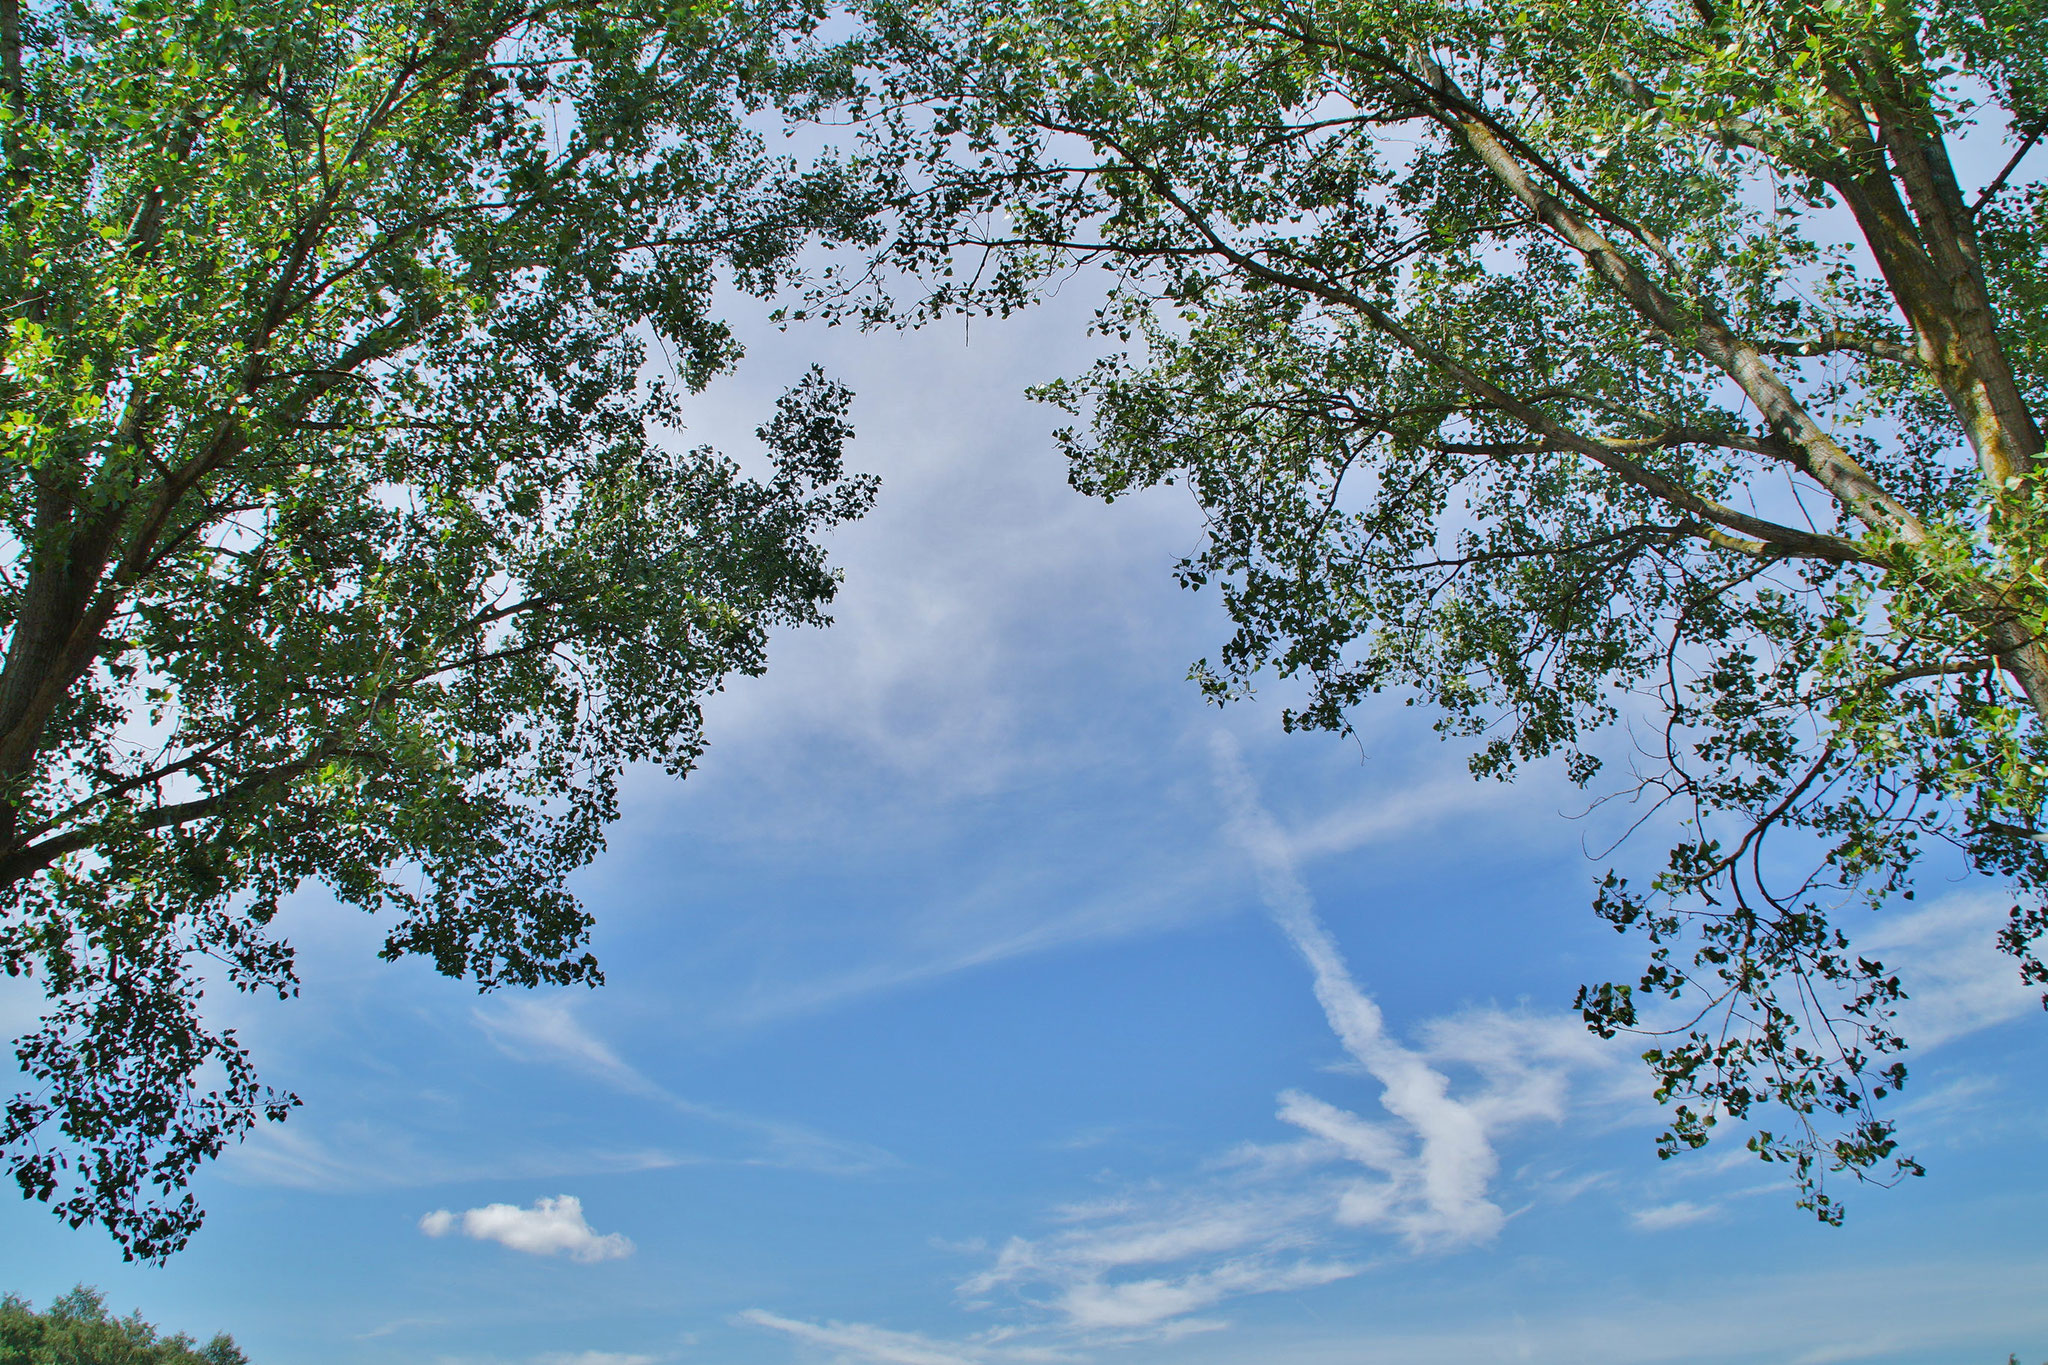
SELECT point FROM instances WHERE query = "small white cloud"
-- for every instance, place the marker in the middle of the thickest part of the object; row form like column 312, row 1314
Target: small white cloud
column 1664, row 1217
column 593, row 1358
column 552, row 1227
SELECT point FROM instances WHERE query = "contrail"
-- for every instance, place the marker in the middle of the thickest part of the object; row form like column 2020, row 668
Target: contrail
column 1449, row 1176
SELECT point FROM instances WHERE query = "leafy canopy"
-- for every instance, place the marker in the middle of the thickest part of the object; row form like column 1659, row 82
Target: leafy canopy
column 1613, row 378
column 77, row 1329
column 344, row 535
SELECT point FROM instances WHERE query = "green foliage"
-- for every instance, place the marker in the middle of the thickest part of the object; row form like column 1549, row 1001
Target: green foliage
column 78, row 1330
column 343, row 537
column 1513, row 354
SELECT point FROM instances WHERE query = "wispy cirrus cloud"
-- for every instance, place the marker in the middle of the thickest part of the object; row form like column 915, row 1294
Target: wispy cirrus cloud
column 859, row 1341
column 1884, row 1312
column 546, row 1030
column 552, row 1227
column 362, row 1155
column 543, row 1029
column 1412, row 1168
column 1957, row 980
column 1159, row 895
column 1663, row 1217
column 1144, row 1266
column 1275, row 1217
column 559, row 1358
column 1284, row 1216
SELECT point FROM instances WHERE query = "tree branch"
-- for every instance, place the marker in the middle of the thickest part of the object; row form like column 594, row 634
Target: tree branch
column 1991, row 190
column 1833, row 342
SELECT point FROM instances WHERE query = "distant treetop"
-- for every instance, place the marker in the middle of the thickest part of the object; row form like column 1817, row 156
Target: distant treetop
column 78, row 1330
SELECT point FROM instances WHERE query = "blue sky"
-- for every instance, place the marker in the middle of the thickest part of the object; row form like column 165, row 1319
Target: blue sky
column 986, row 999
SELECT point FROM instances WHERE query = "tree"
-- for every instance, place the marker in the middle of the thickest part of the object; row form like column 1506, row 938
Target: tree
column 345, row 539
column 1574, row 366
column 78, row 1330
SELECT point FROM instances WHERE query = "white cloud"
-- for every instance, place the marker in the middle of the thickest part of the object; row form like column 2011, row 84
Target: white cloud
column 397, row 1325
column 1123, row 1266
column 361, row 1155
column 1525, row 1061
column 969, row 591
column 1199, row 1230
column 1004, row 919
column 594, row 1358
column 862, row 1342
column 1947, row 955
column 1963, row 1095
column 1435, row 1157
column 1664, row 1217
column 547, row 1030
column 1883, row 1312
column 1414, row 808
column 1095, row 1306
column 542, row 1029
column 552, row 1227
column 954, row 667
column 1421, row 1167
column 1939, row 1311
column 1264, row 1217
column 859, row 1341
